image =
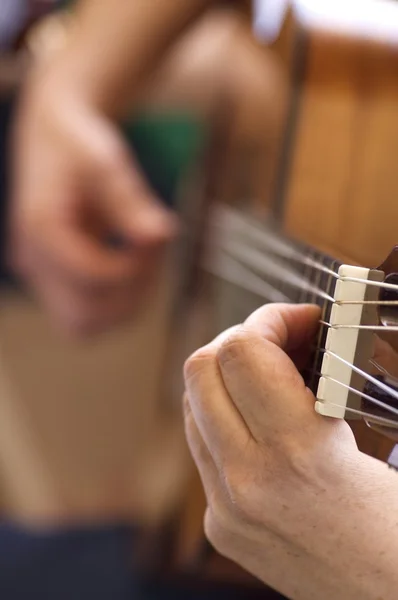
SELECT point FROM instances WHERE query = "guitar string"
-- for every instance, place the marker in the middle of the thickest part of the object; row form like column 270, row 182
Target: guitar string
column 376, row 382
column 303, row 285
column 263, row 233
column 276, row 296
column 274, row 293
column 357, row 392
column 269, row 240
column 364, row 374
column 269, row 292
column 286, row 251
column 230, row 270
column 368, row 416
column 371, row 361
column 255, row 259
column 361, row 327
column 292, row 255
column 237, row 274
column 371, row 302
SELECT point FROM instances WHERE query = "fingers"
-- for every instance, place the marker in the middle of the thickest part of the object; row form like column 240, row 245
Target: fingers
column 264, row 385
column 84, row 311
column 217, row 418
column 200, row 453
column 94, row 191
column 82, row 298
column 116, row 182
column 85, row 260
column 85, row 284
column 131, row 208
column 254, row 365
column 244, row 386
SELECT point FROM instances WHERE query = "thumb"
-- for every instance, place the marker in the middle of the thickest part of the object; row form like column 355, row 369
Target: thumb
column 130, row 207
column 288, row 326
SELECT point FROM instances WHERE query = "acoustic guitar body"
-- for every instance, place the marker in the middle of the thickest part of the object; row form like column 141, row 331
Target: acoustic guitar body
column 336, row 185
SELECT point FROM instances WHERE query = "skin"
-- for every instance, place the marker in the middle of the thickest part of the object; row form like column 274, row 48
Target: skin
column 290, row 497
column 74, row 180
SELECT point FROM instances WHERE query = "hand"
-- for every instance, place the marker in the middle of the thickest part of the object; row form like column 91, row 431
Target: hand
column 75, row 185
column 290, row 498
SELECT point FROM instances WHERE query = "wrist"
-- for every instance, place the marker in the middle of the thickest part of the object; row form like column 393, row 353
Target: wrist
column 64, row 69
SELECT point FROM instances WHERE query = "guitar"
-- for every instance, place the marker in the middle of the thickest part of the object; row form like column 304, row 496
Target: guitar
column 353, row 371
column 334, row 210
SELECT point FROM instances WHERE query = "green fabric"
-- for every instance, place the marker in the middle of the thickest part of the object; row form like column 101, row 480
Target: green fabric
column 167, row 147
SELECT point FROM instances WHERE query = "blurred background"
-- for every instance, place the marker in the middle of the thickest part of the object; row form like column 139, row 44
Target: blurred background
column 282, row 107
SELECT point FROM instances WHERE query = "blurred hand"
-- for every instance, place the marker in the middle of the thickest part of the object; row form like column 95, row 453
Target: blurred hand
column 77, row 189
column 290, row 498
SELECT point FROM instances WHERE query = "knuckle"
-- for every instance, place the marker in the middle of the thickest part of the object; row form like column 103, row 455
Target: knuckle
column 237, row 346
column 198, row 362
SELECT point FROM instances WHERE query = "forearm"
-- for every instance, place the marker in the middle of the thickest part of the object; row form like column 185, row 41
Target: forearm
column 108, row 52
column 355, row 548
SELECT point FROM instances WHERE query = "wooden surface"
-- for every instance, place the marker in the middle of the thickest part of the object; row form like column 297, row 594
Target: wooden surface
column 343, row 181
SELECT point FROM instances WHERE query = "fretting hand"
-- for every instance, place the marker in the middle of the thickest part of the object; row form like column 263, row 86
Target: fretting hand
column 290, row 497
